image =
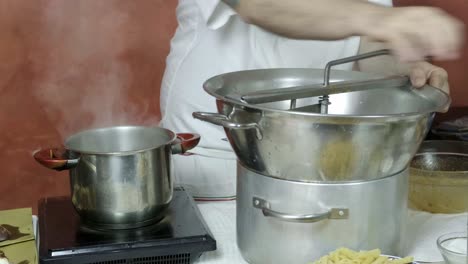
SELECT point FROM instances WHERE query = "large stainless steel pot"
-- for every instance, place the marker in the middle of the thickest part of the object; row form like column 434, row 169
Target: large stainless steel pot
column 364, row 134
column 280, row 221
column 120, row 176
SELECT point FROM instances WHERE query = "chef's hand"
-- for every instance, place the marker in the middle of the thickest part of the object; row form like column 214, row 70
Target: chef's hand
column 423, row 72
column 414, row 33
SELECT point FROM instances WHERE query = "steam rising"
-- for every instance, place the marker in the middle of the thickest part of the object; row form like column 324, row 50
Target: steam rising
column 84, row 80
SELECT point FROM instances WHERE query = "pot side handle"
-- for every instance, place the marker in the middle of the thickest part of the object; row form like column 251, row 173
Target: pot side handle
column 185, row 142
column 55, row 158
column 333, row 213
column 224, row 121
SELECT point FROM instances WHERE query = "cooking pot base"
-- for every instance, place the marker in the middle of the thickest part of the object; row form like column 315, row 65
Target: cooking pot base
column 161, row 227
column 106, row 227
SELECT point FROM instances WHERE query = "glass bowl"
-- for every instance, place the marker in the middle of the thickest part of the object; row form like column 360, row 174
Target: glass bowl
column 453, row 247
column 439, row 177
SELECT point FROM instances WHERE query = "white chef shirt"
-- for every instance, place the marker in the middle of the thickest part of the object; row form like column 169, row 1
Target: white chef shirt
column 212, row 39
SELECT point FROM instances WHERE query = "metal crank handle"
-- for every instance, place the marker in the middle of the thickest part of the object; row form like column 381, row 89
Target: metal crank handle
column 326, row 78
column 324, row 102
column 298, row 92
column 333, row 213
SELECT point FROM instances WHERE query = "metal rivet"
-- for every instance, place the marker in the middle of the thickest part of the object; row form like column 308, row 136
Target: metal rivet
column 341, row 213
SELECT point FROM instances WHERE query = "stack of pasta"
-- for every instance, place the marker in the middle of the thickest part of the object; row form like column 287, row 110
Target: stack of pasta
column 348, row 256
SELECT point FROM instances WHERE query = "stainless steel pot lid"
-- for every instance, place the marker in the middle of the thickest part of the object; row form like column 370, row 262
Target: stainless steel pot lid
column 398, row 100
column 377, row 102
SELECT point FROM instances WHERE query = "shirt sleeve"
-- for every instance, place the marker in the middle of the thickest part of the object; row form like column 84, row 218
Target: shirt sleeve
column 215, row 12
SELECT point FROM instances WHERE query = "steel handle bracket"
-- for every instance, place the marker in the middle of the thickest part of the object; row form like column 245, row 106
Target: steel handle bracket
column 332, row 213
column 224, row 121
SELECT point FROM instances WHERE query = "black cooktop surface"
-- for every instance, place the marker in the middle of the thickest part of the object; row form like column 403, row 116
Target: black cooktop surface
column 181, row 235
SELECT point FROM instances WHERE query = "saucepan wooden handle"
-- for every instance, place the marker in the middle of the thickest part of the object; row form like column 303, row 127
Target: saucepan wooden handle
column 56, row 158
column 185, row 142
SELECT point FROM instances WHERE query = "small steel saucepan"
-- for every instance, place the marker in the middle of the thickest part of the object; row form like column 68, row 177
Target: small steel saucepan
column 120, row 176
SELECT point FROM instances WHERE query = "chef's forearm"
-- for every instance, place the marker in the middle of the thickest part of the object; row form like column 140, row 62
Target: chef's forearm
column 311, row 19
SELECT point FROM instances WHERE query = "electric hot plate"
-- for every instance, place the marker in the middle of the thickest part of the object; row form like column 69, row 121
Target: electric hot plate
column 180, row 237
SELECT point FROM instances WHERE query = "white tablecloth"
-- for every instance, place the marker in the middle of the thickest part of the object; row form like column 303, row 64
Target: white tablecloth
column 422, row 232
column 221, row 219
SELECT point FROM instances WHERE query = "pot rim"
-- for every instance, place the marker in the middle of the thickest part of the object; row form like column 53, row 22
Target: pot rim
column 208, row 87
column 441, row 148
column 448, row 146
column 324, row 183
column 171, row 134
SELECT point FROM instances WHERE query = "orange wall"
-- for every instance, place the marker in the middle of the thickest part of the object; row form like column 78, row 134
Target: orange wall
column 70, row 65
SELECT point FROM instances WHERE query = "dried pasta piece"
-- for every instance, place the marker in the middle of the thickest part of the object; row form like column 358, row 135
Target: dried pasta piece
column 368, row 260
column 348, row 256
column 380, row 260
